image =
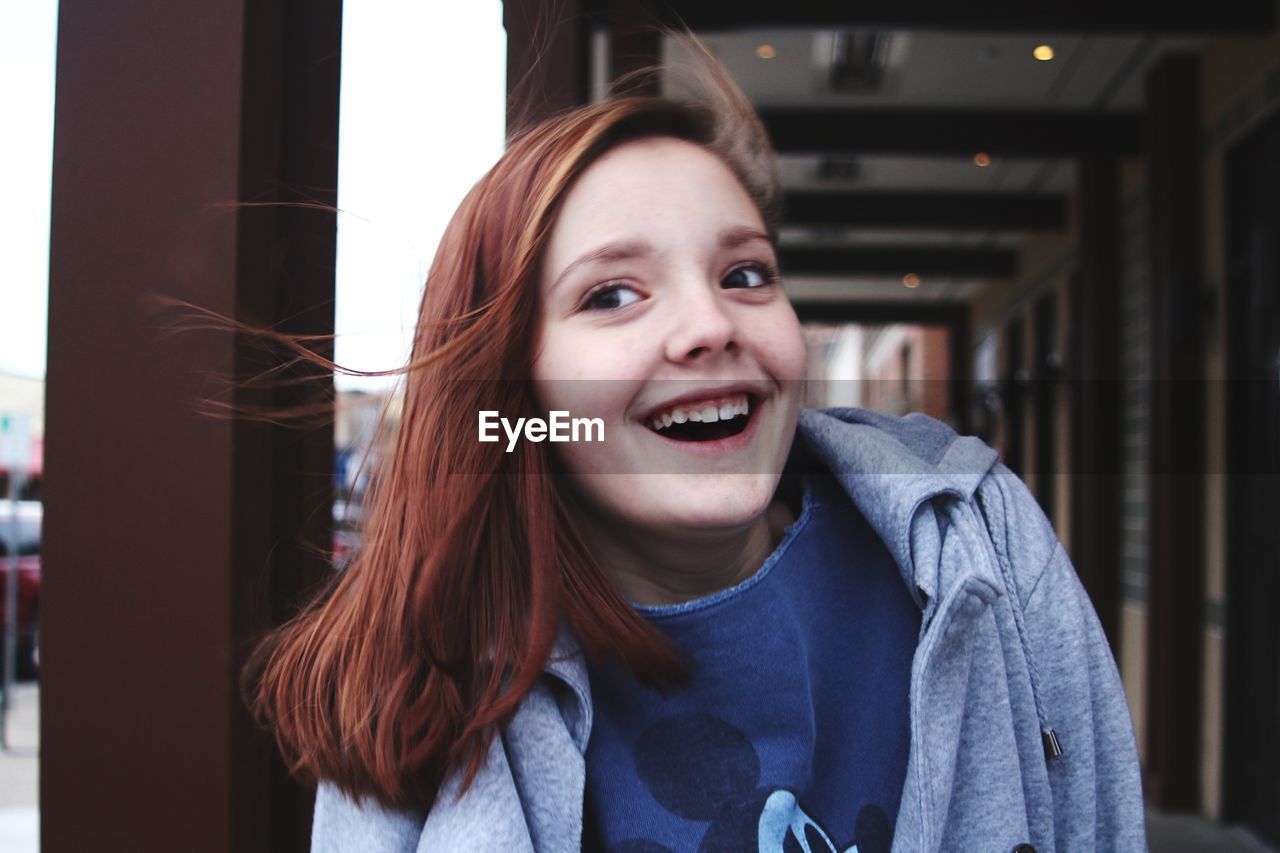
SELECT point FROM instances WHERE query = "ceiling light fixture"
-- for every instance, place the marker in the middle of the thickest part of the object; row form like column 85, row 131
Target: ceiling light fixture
column 766, row 51
column 1043, row 52
column 982, row 159
column 911, row 280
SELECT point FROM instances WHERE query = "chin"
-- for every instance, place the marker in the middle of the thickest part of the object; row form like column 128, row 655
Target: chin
column 692, row 503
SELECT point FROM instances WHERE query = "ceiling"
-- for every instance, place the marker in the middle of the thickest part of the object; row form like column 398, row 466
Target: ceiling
column 932, row 71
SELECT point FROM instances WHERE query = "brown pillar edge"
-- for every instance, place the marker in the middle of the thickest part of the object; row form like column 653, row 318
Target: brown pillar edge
column 173, row 539
column 1176, row 591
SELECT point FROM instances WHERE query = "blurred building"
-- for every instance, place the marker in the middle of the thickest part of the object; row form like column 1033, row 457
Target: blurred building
column 22, row 397
column 364, row 424
column 894, row 369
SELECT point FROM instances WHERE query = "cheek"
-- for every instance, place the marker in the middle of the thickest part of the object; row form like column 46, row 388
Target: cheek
column 796, row 355
column 781, row 345
column 557, row 366
column 592, row 377
column 567, row 352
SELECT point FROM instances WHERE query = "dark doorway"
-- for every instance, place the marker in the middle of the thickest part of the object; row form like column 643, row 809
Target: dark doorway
column 1046, row 404
column 1252, row 772
column 1015, row 398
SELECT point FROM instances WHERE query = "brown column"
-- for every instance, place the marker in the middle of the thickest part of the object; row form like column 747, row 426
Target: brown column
column 548, row 67
column 960, row 359
column 1095, row 389
column 1176, row 599
column 635, row 44
column 173, row 539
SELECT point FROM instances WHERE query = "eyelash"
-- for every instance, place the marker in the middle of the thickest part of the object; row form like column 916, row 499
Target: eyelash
column 767, row 271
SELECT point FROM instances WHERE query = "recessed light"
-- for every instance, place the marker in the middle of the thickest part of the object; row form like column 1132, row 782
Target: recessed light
column 911, row 280
column 766, row 51
column 982, row 159
column 1043, row 52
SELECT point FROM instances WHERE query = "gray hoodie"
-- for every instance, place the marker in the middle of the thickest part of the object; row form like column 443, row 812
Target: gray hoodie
column 1020, row 734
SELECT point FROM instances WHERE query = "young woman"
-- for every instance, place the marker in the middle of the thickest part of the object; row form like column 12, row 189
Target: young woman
column 727, row 625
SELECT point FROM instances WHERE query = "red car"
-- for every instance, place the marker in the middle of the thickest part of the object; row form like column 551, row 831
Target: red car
column 346, row 532
column 27, row 548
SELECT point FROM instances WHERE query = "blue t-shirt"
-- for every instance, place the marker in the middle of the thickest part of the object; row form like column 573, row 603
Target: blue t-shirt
column 793, row 734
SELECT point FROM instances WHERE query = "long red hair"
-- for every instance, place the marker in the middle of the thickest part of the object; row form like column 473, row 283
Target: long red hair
column 409, row 664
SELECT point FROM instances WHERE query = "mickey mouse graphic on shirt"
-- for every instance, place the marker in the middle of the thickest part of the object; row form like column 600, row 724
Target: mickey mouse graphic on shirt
column 703, row 769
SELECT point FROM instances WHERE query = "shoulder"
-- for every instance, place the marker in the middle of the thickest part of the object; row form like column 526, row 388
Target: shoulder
column 1021, row 533
column 341, row 823
column 963, row 465
column 916, row 434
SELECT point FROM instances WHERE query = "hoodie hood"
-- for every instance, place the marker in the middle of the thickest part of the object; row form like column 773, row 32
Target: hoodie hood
column 892, row 466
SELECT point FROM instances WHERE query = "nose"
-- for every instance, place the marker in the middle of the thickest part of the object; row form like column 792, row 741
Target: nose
column 702, row 327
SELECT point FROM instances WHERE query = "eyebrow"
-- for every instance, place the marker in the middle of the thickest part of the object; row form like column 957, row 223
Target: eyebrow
column 612, row 252
column 730, row 238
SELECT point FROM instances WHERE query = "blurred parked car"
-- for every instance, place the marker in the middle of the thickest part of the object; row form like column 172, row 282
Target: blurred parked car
column 26, row 545
column 346, row 532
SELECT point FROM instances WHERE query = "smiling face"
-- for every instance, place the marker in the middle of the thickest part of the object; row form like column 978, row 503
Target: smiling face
column 661, row 313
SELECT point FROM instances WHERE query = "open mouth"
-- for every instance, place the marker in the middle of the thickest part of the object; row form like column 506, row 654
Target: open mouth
column 705, row 420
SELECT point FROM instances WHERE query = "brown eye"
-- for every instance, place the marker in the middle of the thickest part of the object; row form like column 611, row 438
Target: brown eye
column 610, row 297
column 749, row 276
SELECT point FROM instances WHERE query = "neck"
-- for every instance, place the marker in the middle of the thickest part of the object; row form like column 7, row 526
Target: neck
column 654, row 570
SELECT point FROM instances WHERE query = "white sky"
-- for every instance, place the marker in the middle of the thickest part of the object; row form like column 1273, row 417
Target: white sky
column 26, row 162
column 422, row 118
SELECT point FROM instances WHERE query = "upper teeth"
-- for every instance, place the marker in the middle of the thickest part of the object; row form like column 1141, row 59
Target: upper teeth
column 706, row 411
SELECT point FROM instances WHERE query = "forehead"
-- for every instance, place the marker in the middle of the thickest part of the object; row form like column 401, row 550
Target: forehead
column 664, row 191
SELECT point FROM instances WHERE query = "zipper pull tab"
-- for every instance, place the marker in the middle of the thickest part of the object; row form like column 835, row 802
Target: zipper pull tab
column 1052, row 748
